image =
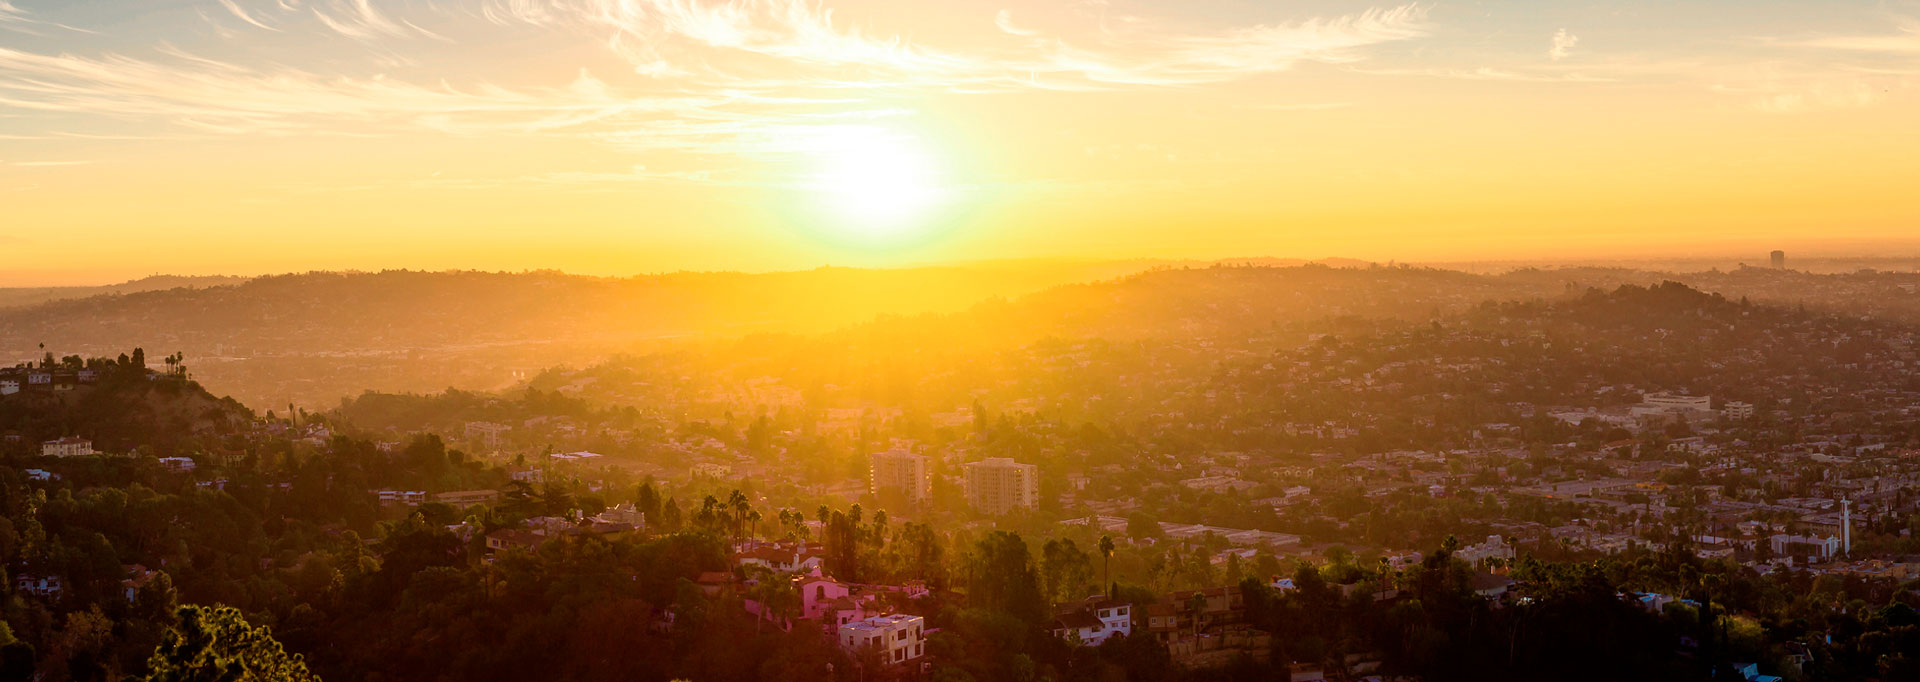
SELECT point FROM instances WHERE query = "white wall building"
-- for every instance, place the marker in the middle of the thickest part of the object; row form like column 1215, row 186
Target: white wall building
column 1663, row 402
column 71, row 446
column 1092, row 622
column 896, row 638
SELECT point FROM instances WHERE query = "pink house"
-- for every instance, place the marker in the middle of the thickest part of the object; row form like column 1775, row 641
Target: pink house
column 817, row 594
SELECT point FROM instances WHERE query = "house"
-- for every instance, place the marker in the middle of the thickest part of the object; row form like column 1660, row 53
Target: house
column 1653, row 603
column 1490, row 585
column 713, row 582
column 528, row 475
column 42, row 475
column 624, row 513
column 410, row 498
column 1091, row 621
column 48, row 586
column 782, row 558
column 896, row 638
column 178, row 465
column 9, row 386
column 1751, row 673
column 818, row 594
column 514, row 538
column 71, row 446
column 137, row 577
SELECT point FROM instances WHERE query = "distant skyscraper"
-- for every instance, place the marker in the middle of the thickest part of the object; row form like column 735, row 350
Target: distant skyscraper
column 997, row 485
column 903, row 473
column 1779, row 260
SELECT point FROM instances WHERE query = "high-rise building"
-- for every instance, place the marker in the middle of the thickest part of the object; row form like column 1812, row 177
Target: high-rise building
column 1779, row 260
column 902, row 473
column 997, row 485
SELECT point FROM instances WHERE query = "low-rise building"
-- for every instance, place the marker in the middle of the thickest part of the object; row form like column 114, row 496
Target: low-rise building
column 1092, row 621
column 44, row 586
column 71, row 446
column 896, row 638
column 410, row 498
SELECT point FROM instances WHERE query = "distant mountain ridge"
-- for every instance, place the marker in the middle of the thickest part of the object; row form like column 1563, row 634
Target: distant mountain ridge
column 315, row 338
column 17, row 297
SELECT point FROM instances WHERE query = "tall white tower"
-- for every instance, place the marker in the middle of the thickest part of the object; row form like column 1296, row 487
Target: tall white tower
column 1846, row 526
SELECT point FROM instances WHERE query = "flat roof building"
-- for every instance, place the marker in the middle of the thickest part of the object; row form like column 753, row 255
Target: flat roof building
column 997, row 485
column 900, row 472
column 896, row 638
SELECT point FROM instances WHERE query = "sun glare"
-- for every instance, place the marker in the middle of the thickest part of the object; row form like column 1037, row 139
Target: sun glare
column 876, row 182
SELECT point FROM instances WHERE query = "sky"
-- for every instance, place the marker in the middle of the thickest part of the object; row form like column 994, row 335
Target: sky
column 626, row 136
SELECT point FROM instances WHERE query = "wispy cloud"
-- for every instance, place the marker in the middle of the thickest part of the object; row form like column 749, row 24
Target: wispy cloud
column 1777, row 91
column 1904, row 40
column 360, row 19
column 706, row 77
column 220, row 94
column 235, row 10
column 1488, row 73
column 1563, row 44
column 15, row 19
column 1136, row 57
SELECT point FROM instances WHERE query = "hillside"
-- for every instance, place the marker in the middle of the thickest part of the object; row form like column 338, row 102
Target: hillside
column 125, row 407
column 313, row 338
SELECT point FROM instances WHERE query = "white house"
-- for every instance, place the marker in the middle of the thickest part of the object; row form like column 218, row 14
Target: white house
column 1093, row 621
column 411, row 498
column 896, row 638
column 9, row 386
column 178, row 465
column 71, row 446
column 39, row 586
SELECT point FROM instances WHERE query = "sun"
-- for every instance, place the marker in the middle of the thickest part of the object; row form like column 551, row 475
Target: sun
column 876, row 182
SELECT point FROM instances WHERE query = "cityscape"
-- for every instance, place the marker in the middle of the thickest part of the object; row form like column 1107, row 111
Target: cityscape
column 862, row 341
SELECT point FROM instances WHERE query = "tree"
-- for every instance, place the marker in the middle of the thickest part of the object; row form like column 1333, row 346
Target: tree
column 1106, row 563
column 1002, row 578
column 215, row 644
column 670, row 516
column 1064, row 569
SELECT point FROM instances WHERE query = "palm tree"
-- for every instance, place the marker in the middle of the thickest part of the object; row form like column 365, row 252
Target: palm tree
column 735, row 512
column 1106, row 563
column 1196, row 604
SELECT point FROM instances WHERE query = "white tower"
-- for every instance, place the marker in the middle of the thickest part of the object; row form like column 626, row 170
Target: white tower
column 1846, row 526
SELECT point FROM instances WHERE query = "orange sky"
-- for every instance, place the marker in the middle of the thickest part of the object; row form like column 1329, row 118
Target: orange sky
column 623, row 136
